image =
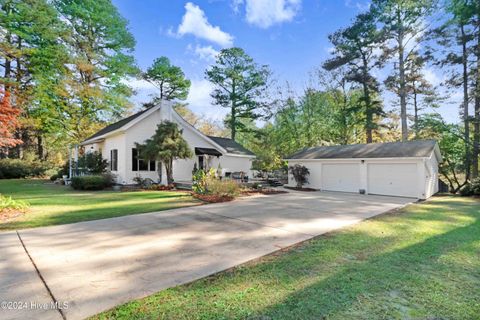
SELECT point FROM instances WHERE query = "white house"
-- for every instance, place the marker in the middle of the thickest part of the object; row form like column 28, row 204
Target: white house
column 116, row 143
column 404, row 169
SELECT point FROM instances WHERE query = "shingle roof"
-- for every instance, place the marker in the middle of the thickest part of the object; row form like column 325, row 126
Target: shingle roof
column 231, row 146
column 117, row 125
column 417, row 148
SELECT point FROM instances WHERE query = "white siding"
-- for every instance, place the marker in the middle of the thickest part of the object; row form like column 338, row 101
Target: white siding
column 394, row 179
column 405, row 177
column 182, row 169
column 343, row 177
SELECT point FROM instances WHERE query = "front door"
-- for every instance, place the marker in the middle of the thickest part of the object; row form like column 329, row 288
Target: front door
column 201, row 162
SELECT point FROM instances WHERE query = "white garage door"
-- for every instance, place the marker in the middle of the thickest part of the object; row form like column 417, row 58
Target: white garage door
column 393, row 179
column 341, row 177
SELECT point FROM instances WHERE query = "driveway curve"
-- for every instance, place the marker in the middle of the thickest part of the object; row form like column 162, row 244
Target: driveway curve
column 96, row 265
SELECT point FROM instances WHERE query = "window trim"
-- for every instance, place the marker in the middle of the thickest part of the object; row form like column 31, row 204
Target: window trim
column 114, row 160
column 136, row 163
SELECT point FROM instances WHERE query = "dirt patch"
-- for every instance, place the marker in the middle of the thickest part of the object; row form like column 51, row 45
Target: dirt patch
column 300, row 189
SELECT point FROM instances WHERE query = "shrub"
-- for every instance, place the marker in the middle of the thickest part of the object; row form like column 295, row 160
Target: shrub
column 221, row 188
column 471, row 189
column 300, row 174
column 96, row 182
column 16, row 168
column 199, row 182
column 93, row 163
column 9, row 203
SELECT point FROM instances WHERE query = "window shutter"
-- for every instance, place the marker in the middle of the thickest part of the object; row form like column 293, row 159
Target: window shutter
column 134, row 160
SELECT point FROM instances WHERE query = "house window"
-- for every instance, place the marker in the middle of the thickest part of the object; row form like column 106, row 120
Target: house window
column 139, row 164
column 114, row 160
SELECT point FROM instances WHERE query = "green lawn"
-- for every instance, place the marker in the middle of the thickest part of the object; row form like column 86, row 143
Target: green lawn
column 422, row 262
column 54, row 204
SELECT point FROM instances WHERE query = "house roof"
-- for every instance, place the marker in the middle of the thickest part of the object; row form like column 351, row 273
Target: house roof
column 117, row 125
column 231, row 146
column 415, row 149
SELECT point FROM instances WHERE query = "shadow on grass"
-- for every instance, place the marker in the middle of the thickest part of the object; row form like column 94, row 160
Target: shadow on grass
column 411, row 282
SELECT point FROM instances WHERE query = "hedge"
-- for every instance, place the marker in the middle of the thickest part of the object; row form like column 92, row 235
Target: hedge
column 97, row 182
column 16, row 168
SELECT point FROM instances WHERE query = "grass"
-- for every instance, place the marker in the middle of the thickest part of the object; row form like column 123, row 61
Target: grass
column 54, row 204
column 421, row 262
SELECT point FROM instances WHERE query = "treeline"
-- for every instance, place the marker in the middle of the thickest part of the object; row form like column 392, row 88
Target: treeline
column 62, row 67
column 345, row 102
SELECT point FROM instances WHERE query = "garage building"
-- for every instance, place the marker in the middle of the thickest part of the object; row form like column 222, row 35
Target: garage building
column 403, row 169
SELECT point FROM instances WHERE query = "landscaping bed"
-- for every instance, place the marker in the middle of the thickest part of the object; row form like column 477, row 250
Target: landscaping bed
column 212, row 198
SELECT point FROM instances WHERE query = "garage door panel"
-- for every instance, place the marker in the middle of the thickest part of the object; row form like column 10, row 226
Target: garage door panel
column 341, row 177
column 393, row 179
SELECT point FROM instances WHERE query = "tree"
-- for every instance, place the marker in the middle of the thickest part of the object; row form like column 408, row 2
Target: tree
column 8, row 122
column 417, row 88
column 100, row 47
column 166, row 145
column 168, row 79
column 32, row 64
column 403, row 22
column 450, row 140
column 454, row 38
column 355, row 47
column 300, row 174
column 240, row 85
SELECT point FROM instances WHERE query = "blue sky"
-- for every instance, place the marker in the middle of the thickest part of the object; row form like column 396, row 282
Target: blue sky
column 291, row 36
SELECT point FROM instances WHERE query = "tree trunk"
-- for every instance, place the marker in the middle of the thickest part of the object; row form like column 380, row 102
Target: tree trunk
column 169, row 169
column 476, row 127
column 40, row 150
column 466, row 120
column 368, row 114
column 415, row 106
column 402, row 91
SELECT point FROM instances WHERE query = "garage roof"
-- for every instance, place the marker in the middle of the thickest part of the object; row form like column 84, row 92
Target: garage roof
column 415, row 149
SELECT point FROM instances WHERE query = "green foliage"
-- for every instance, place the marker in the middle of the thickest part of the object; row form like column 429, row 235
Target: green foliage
column 92, row 163
column 355, row 47
column 240, row 85
column 199, row 182
column 94, row 182
column 9, row 203
column 166, row 145
column 222, row 188
column 100, row 47
column 16, row 168
column 169, row 79
column 450, row 140
column 471, row 189
column 300, row 174
column 208, row 183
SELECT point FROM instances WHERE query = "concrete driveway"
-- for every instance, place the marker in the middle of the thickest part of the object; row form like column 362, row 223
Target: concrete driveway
column 93, row 266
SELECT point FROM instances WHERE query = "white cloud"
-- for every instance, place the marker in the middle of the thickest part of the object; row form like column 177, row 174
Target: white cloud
column 265, row 13
column 196, row 23
column 207, row 53
column 200, row 101
column 432, row 77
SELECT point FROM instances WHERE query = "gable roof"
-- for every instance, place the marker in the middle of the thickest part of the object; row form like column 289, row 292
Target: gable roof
column 116, row 125
column 415, row 149
column 232, row 146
